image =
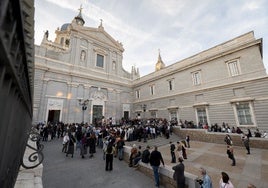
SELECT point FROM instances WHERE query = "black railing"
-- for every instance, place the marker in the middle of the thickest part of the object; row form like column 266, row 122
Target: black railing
column 16, row 83
column 35, row 156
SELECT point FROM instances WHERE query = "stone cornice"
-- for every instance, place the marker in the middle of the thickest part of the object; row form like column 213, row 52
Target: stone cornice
column 198, row 59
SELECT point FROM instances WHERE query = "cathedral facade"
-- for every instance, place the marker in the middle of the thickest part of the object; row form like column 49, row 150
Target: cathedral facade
column 80, row 78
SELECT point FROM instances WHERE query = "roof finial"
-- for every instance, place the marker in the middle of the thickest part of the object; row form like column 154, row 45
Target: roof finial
column 80, row 9
column 101, row 22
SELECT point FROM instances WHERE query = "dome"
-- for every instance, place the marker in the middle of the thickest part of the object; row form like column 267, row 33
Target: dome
column 64, row 26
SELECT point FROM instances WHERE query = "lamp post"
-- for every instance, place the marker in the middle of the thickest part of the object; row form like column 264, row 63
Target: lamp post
column 144, row 106
column 84, row 104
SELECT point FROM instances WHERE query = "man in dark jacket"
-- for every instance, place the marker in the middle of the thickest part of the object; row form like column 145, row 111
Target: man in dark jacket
column 155, row 159
column 145, row 157
column 178, row 175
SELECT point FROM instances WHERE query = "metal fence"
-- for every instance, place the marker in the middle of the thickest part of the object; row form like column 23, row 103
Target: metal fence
column 16, row 81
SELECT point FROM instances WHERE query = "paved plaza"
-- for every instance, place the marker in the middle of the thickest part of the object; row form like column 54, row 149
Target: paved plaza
column 60, row 171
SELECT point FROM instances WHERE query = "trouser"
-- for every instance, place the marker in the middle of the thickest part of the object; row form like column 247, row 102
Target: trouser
column 109, row 162
column 173, row 157
column 156, row 175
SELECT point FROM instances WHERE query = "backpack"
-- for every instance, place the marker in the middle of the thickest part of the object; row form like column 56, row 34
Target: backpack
column 109, row 149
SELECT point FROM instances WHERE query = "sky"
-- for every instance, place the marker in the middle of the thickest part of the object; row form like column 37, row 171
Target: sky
column 178, row 28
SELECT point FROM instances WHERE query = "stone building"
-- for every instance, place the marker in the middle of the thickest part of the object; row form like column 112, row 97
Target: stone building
column 227, row 83
column 80, row 77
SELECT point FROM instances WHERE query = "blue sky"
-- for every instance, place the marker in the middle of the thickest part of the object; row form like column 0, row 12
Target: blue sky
column 179, row 28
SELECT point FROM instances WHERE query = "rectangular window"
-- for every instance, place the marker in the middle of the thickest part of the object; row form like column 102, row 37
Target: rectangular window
column 137, row 94
column 201, row 115
column 173, row 115
column 100, row 61
column 171, row 84
column 196, row 76
column 153, row 114
column 233, row 68
column 152, row 89
column 244, row 114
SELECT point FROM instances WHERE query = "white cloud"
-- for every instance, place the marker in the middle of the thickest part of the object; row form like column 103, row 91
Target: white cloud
column 179, row 28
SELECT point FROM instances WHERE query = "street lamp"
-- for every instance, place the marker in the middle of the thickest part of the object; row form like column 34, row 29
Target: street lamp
column 84, row 104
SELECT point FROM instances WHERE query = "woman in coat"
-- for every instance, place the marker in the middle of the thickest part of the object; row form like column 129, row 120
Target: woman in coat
column 71, row 145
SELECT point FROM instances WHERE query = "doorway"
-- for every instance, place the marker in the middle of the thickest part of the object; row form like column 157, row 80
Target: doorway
column 126, row 115
column 53, row 116
column 97, row 114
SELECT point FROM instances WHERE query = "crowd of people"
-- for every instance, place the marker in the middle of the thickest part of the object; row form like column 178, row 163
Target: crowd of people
column 112, row 139
column 223, row 128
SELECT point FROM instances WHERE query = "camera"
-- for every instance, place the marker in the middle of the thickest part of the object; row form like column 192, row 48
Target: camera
column 199, row 181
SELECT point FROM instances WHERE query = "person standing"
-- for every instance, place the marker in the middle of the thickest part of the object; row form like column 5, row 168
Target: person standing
column 178, row 175
column 172, row 152
column 188, row 141
column 207, row 183
column 225, row 181
column 120, row 148
column 245, row 140
column 92, row 144
column 230, row 153
column 71, row 145
column 109, row 157
column 155, row 159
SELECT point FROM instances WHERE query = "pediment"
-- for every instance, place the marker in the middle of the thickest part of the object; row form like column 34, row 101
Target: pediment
column 102, row 36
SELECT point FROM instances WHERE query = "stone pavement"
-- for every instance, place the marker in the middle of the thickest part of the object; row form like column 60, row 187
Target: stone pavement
column 66, row 172
column 60, row 171
column 251, row 168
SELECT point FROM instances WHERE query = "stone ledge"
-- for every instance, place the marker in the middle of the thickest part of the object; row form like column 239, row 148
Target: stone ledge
column 30, row 178
column 166, row 173
column 218, row 138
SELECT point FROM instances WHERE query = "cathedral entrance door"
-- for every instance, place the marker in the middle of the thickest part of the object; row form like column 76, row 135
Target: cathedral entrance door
column 53, row 116
column 97, row 114
column 126, row 114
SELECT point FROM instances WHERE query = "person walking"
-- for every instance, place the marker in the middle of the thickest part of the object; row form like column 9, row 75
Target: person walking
column 230, row 153
column 225, row 181
column 245, row 140
column 155, row 159
column 172, row 152
column 228, row 140
column 178, row 175
column 71, row 145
